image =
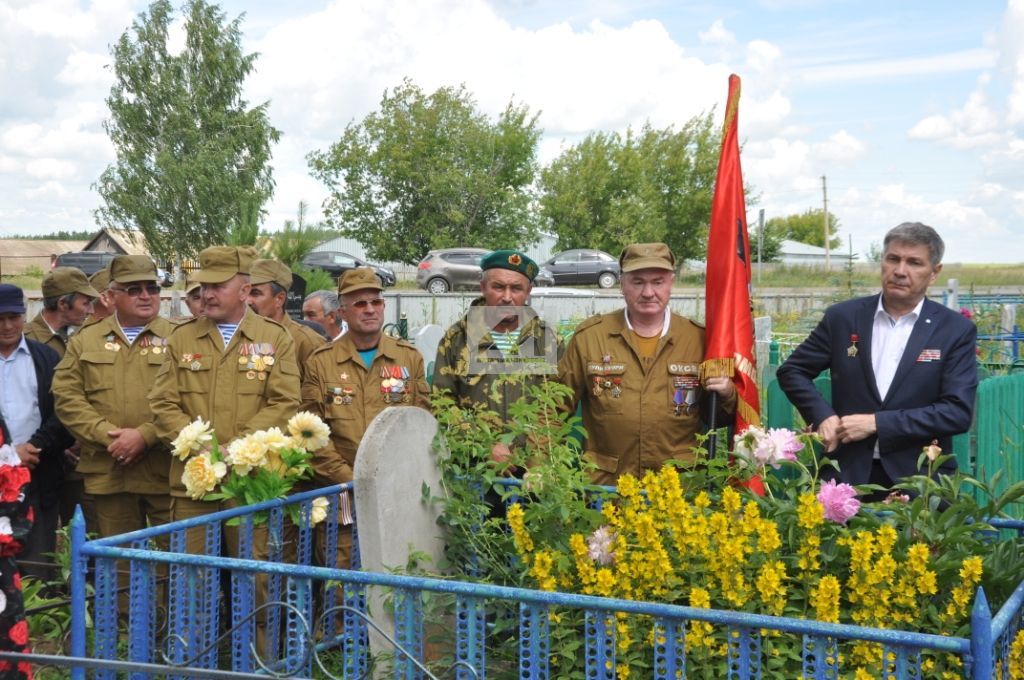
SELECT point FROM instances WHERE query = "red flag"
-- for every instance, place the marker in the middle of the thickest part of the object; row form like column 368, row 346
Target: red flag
column 729, row 348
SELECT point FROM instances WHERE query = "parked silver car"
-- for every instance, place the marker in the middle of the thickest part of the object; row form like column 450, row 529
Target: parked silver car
column 450, row 268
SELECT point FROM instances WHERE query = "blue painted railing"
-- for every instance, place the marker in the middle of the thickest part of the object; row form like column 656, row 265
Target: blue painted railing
column 191, row 635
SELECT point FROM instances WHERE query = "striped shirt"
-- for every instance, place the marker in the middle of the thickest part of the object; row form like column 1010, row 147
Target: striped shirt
column 131, row 332
column 227, row 331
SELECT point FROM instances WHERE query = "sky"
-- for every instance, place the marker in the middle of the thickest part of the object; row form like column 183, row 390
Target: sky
column 912, row 111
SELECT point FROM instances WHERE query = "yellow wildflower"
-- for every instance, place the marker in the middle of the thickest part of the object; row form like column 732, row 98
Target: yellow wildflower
column 825, row 599
column 1016, row 660
column 543, row 562
column 517, row 523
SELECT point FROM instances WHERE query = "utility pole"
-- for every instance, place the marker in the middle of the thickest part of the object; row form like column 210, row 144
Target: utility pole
column 824, row 197
column 760, row 243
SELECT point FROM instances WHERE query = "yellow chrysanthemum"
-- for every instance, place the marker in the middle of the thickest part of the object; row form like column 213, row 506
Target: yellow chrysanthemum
column 308, row 431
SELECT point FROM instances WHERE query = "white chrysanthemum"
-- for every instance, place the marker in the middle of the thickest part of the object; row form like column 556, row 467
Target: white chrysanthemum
column 308, row 431
column 246, row 453
column 272, row 438
column 318, row 513
column 201, row 475
column 192, row 437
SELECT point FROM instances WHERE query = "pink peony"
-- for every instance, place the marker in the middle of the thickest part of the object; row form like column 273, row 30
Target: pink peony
column 839, row 500
column 600, row 546
column 966, row 313
column 787, row 445
column 896, row 497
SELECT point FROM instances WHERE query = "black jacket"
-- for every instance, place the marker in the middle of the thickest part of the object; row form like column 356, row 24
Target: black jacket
column 51, row 437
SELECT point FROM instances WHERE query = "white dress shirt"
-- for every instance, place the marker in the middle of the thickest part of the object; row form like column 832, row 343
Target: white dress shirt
column 19, row 394
column 889, row 338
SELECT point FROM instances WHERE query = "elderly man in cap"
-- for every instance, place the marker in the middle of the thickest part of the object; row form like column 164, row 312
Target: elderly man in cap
column 635, row 371
column 102, row 306
column 349, row 381
column 67, row 301
column 501, row 347
column 203, row 376
column 193, row 296
column 100, row 388
column 26, row 401
column 268, row 294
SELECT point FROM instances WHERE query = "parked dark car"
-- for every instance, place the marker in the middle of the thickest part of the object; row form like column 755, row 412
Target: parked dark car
column 336, row 263
column 88, row 261
column 450, row 268
column 91, row 261
column 581, row 266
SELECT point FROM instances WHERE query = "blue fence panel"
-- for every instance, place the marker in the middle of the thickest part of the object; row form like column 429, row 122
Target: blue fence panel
column 195, row 640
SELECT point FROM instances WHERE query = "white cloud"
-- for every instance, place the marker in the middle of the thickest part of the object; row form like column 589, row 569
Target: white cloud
column 50, row 190
column 86, row 68
column 762, row 56
column 50, row 168
column 717, row 34
column 842, row 146
column 883, row 69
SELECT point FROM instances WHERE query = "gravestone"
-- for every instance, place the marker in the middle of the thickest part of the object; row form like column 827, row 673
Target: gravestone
column 394, row 461
column 426, row 340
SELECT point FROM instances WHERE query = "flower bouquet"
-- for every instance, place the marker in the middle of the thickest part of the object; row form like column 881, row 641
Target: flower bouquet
column 257, row 467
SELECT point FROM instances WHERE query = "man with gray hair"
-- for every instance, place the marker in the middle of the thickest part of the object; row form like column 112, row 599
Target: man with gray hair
column 67, row 301
column 322, row 307
column 903, row 369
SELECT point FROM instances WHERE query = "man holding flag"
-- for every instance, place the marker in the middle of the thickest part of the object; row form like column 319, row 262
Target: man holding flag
column 636, row 373
column 730, row 326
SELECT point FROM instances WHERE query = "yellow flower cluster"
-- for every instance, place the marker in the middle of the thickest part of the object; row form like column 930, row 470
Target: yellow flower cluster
column 963, row 594
column 1015, row 663
column 517, row 523
column 825, row 599
column 810, row 516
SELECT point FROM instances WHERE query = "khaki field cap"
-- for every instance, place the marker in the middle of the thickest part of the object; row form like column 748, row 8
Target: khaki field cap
column 217, row 264
column 270, row 271
column 101, row 279
column 190, row 283
column 360, row 278
column 128, row 268
column 64, row 280
column 647, row 256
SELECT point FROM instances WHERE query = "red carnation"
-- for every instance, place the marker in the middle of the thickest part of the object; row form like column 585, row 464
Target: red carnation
column 19, row 633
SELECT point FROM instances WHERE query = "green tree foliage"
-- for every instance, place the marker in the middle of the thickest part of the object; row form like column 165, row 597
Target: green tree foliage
column 59, row 235
column 189, row 148
column 772, row 245
column 806, row 227
column 296, row 240
column 245, row 228
column 656, row 185
column 430, row 171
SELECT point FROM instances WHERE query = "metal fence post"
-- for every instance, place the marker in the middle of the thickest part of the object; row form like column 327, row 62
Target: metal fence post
column 981, row 638
column 78, row 570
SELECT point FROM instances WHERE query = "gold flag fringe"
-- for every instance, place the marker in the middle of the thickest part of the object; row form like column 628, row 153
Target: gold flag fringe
column 747, row 412
column 717, row 368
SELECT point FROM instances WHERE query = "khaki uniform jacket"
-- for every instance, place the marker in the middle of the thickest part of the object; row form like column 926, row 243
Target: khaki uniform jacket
column 202, row 379
column 461, row 375
column 630, row 406
column 100, row 385
column 306, row 342
column 39, row 331
column 348, row 396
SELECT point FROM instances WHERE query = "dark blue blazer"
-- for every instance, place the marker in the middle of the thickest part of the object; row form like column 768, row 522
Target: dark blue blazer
column 931, row 396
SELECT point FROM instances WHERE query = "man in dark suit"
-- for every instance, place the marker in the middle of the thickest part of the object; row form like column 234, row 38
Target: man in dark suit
column 903, row 368
column 26, row 402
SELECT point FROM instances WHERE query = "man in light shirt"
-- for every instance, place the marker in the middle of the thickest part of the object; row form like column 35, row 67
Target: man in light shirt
column 26, row 402
column 903, row 368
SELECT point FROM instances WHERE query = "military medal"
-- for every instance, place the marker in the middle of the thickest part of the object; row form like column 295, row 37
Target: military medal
column 616, row 389
column 597, row 386
column 344, row 376
column 851, row 351
column 684, row 396
column 346, row 396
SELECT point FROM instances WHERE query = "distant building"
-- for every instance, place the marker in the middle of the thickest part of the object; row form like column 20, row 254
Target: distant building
column 17, row 255
column 794, row 252
column 110, row 241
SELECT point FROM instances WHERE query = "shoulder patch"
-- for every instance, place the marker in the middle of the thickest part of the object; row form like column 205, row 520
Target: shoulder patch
column 590, row 322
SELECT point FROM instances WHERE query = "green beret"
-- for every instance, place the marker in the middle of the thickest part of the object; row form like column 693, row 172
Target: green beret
column 510, row 259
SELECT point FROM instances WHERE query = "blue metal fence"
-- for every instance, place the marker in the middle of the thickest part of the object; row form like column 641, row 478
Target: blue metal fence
column 192, row 636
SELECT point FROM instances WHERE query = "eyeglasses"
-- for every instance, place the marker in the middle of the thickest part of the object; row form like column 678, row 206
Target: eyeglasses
column 136, row 291
column 363, row 304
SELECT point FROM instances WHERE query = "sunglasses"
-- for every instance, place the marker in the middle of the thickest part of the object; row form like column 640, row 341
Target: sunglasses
column 136, row 291
column 363, row 304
